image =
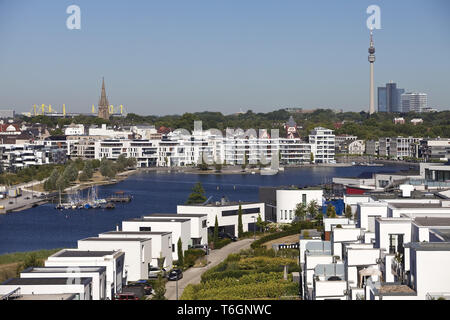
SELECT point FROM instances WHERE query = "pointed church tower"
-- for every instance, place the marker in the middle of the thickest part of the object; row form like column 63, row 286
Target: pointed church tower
column 103, row 105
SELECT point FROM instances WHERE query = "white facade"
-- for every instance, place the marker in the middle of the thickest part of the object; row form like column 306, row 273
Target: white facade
column 50, row 286
column 161, row 244
column 112, row 260
column 287, row 201
column 180, row 229
column 227, row 214
column 138, row 253
column 97, row 274
column 322, row 145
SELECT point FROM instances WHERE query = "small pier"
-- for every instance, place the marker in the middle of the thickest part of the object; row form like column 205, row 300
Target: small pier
column 119, row 196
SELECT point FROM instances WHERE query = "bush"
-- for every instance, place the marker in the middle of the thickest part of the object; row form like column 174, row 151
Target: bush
column 221, row 243
column 191, row 255
column 294, row 229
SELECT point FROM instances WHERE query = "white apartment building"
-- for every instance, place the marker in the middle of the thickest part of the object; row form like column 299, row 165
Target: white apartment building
column 322, row 142
column 145, row 151
column 74, row 130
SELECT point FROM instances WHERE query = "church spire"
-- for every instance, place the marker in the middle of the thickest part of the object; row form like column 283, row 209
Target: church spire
column 103, row 99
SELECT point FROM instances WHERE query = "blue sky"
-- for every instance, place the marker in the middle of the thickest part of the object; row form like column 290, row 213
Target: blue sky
column 168, row 57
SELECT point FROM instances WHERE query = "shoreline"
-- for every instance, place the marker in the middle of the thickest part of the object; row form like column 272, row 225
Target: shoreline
column 231, row 170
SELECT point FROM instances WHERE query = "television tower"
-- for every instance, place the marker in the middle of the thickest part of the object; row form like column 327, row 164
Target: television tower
column 371, row 61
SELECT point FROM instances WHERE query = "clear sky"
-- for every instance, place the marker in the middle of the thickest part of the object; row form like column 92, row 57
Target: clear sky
column 169, row 57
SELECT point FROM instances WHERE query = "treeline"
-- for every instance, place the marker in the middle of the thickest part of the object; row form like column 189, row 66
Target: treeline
column 361, row 124
column 83, row 170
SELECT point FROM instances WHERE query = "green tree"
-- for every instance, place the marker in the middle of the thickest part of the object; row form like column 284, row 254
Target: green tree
column 50, row 183
column 197, row 195
column 244, row 162
column 300, row 211
column 218, row 166
column 331, row 211
column 159, row 288
column 348, row 211
column 312, row 208
column 240, row 225
column 311, row 157
column 216, row 231
column 180, row 252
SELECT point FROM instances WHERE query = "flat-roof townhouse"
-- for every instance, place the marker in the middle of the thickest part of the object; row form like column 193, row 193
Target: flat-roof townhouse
column 179, row 227
column 199, row 226
column 227, row 214
column 97, row 274
column 48, row 288
column 112, row 260
column 161, row 244
column 138, row 253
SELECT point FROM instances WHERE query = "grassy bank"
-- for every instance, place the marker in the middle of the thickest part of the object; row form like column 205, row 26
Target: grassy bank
column 12, row 263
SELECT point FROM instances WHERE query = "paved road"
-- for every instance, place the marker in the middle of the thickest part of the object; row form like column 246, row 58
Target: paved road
column 193, row 275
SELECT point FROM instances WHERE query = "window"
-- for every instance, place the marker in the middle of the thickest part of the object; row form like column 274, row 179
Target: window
column 290, row 214
column 173, row 247
column 304, row 199
column 204, row 224
column 148, row 229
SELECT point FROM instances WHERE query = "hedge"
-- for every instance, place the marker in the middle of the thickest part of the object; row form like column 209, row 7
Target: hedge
column 291, row 231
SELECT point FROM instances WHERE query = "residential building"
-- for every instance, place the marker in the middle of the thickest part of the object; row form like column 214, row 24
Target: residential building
column 414, row 102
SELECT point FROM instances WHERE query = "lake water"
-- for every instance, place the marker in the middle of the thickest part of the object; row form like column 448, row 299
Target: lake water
column 44, row 227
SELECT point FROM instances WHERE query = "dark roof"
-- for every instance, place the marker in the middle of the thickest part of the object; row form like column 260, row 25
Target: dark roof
column 158, row 220
column 432, row 222
column 82, row 253
column 45, row 281
column 138, row 232
column 64, row 269
column 115, row 239
column 411, row 205
column 428, row 246
column 176, row 215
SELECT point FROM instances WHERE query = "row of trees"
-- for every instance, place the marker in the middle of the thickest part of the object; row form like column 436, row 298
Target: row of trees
column 362, row 124
column 62, row 177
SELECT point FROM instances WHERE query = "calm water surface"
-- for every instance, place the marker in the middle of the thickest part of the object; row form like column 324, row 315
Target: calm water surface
column 44, row 227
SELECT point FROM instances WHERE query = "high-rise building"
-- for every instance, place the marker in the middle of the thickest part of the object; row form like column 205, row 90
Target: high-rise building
column 103, row 105
column 382, row 100
column 389, row 98
column 414, row 102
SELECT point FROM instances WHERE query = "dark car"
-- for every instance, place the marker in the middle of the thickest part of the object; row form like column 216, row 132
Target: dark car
column 126, row 296
column 175, row 274
column 147, row 287
column 224, row 235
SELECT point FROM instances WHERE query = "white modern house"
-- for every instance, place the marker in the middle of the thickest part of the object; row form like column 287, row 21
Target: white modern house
column 179, row 227
column 161, row 244
column 112, row 260
column 138, row 253
column 199, row 227
column 49, row 288
column 97, row 275
column 329, row 282
column 316, row 253
column 227, row 214
column 288, row 199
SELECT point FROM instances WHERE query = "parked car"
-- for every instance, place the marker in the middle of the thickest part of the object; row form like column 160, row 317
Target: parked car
column 203, row 247
column 175, row 274
column 146, row 287
column 142, row 283
column 154, row 271
column 224, row 235
column 126, row 296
